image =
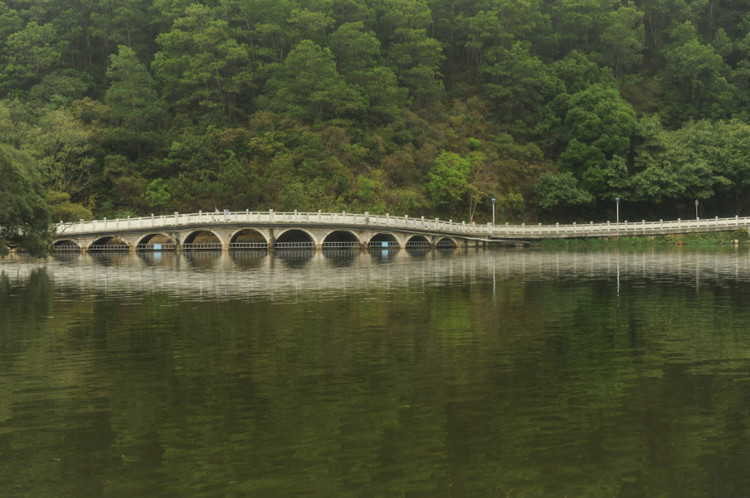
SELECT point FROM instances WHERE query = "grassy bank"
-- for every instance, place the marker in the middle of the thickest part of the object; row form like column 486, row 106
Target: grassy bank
column 738, row 237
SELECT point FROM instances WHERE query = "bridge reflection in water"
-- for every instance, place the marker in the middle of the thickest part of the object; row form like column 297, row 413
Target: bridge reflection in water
column 218, row 275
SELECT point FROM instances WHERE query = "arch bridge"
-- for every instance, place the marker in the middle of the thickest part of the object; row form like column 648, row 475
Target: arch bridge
column 263, row 230
column 318, row 230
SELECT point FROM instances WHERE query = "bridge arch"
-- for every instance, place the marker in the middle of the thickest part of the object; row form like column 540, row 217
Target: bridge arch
column 153, row 241
column 417, row 241
column 109, row 243
column 202, row 240
column 383, row 240
column 66, row 245
column 341, row 238
column 446, row 243
column 295, row 239
column 248, row 238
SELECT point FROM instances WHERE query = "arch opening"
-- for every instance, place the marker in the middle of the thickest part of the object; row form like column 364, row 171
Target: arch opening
column 156, row 242
column 295, row 239
column 65, row 246
column 248, row 239
column 418, row 241
column 446, row 243
column 383, row 240
column 109, row 243
column 340, row 239
column 202, row 240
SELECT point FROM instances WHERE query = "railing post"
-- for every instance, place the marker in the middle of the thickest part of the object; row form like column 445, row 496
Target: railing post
column 176, row 217
column 200, row 215
column 437, row 223
column 105, row 222
column 574, row 228
column 422, row 220
column 679, row 223
column 540, row 230
column 557, row 228
column 320, row 216
column 367, row 217
column 153, row 220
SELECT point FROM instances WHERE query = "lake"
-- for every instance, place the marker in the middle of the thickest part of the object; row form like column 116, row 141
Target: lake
column 504, row 372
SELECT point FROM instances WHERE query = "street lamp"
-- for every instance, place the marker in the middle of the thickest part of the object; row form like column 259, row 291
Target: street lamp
column 617, row 200
column 493, row 211
column 696, row 209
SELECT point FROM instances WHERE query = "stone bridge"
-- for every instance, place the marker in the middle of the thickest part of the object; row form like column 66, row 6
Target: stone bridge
column 272, row 230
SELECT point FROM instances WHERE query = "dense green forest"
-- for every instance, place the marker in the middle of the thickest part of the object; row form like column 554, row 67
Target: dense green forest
column 420, row 107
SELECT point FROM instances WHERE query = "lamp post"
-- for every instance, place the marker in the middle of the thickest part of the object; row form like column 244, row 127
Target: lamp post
column 696, row 209
column 493, row 211
column 617, row 200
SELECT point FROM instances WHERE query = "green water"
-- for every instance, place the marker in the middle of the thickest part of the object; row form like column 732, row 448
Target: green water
column 492, row 373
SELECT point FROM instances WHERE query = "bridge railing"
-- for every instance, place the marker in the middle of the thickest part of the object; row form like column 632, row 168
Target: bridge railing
column 522, row 231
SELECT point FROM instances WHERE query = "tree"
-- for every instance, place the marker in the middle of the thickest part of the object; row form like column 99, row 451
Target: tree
column 599, row 125
column 697, row 77
column 414, row 56
column 358, row 59
column 123, row 22
column 25, row 220
column 554, row 190
column 28, row 55
column 308, row 87
column 696, row 161
column 135, row 110
column 519, row 86
column 455, row 182
column 203, row 70
column 62, row 149
column 623, row 39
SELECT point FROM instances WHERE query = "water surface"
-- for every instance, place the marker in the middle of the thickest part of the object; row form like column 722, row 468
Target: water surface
column 389, row 373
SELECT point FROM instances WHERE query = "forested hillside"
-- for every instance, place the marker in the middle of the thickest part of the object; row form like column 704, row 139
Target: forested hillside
column 555, row 108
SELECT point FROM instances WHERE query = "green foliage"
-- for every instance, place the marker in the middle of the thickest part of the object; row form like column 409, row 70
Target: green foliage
column 600, row 125
column 135, row 111
column 24, row 216
column 65, row 210
column 448, row 180
column 202, row 67
column 308, row 87
column 560, row 189
column 157, row 196
column 239, row 102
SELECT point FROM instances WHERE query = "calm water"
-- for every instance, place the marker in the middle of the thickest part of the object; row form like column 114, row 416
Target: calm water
column 493, row 373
